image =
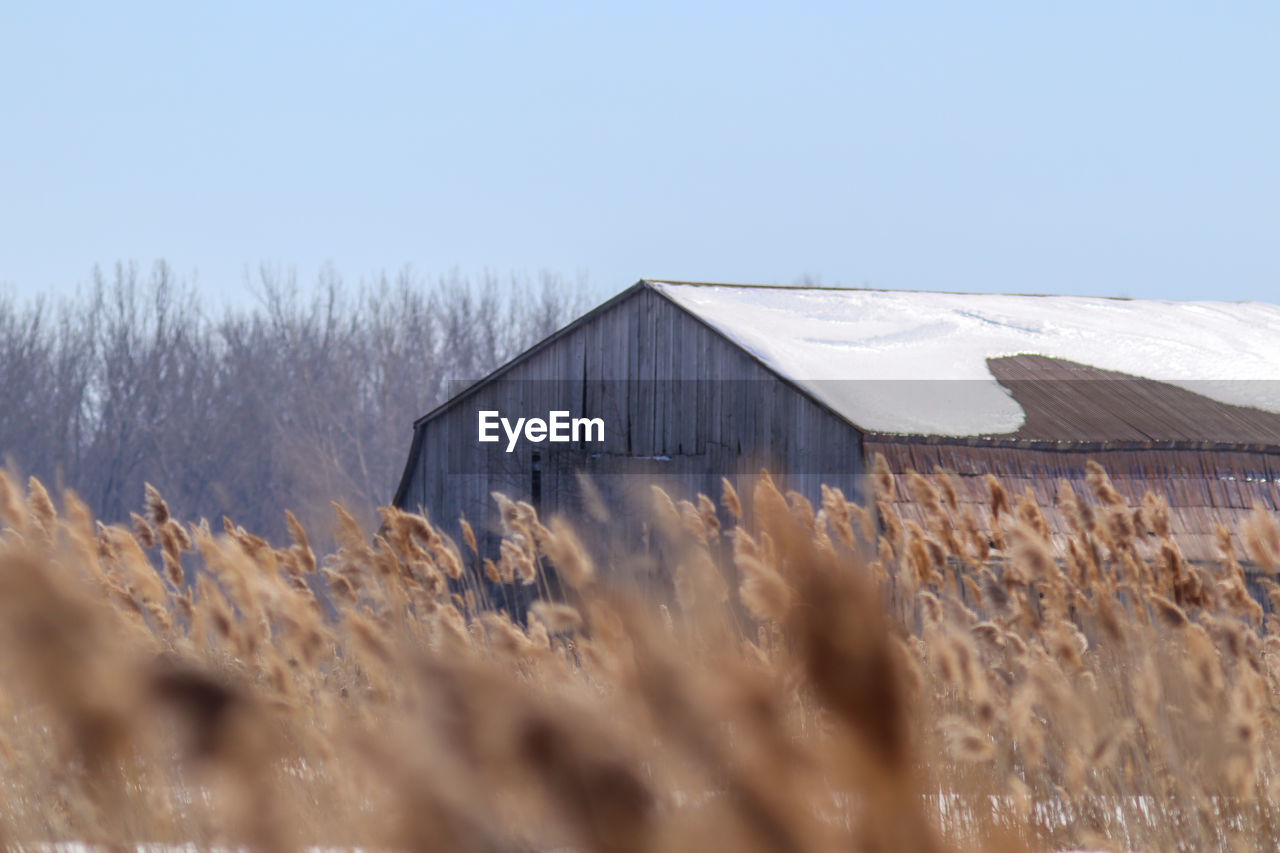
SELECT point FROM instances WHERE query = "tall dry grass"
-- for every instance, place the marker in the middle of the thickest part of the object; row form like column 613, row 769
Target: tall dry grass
column 813, row 678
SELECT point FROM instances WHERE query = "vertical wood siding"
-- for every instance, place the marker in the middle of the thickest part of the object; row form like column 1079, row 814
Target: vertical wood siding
column 682, row 407
column 1204, row 488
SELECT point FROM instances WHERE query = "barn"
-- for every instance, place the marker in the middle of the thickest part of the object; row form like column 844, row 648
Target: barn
column 684, row 383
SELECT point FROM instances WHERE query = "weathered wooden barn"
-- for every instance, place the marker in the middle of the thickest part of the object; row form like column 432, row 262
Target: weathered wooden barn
column 694, row 382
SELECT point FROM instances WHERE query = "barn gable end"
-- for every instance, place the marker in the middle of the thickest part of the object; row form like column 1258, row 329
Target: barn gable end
column 682, row 406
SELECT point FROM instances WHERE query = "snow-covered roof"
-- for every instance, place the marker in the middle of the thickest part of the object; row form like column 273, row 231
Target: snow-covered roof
column 876, row 356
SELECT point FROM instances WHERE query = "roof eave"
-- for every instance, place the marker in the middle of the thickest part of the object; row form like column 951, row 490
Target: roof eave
column 642, row 284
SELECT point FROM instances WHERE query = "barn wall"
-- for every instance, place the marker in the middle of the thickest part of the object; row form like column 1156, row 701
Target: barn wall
column 682, row 407
column 1204, row 487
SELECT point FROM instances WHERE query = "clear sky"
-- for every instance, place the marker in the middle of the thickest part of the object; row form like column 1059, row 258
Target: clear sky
column 1086, row 147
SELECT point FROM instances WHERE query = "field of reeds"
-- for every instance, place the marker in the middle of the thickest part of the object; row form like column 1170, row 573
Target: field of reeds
column 779, row 677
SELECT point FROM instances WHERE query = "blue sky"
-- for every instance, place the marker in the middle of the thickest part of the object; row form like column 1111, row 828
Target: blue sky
column 1101, row 148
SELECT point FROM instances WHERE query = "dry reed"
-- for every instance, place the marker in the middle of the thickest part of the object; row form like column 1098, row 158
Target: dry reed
column 810, row 678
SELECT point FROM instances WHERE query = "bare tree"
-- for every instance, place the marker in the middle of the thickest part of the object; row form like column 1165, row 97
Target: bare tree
column 306, row 399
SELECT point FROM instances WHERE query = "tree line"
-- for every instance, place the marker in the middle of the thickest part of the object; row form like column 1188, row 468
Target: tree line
column 299, row 400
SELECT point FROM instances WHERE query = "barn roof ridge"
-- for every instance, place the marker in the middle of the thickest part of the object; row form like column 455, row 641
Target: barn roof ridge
column 905, row 290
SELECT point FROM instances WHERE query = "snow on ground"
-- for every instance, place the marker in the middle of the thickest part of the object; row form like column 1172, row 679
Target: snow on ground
column 857, row 349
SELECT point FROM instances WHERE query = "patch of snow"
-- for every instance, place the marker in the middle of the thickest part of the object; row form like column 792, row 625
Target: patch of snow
column 913, row 362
